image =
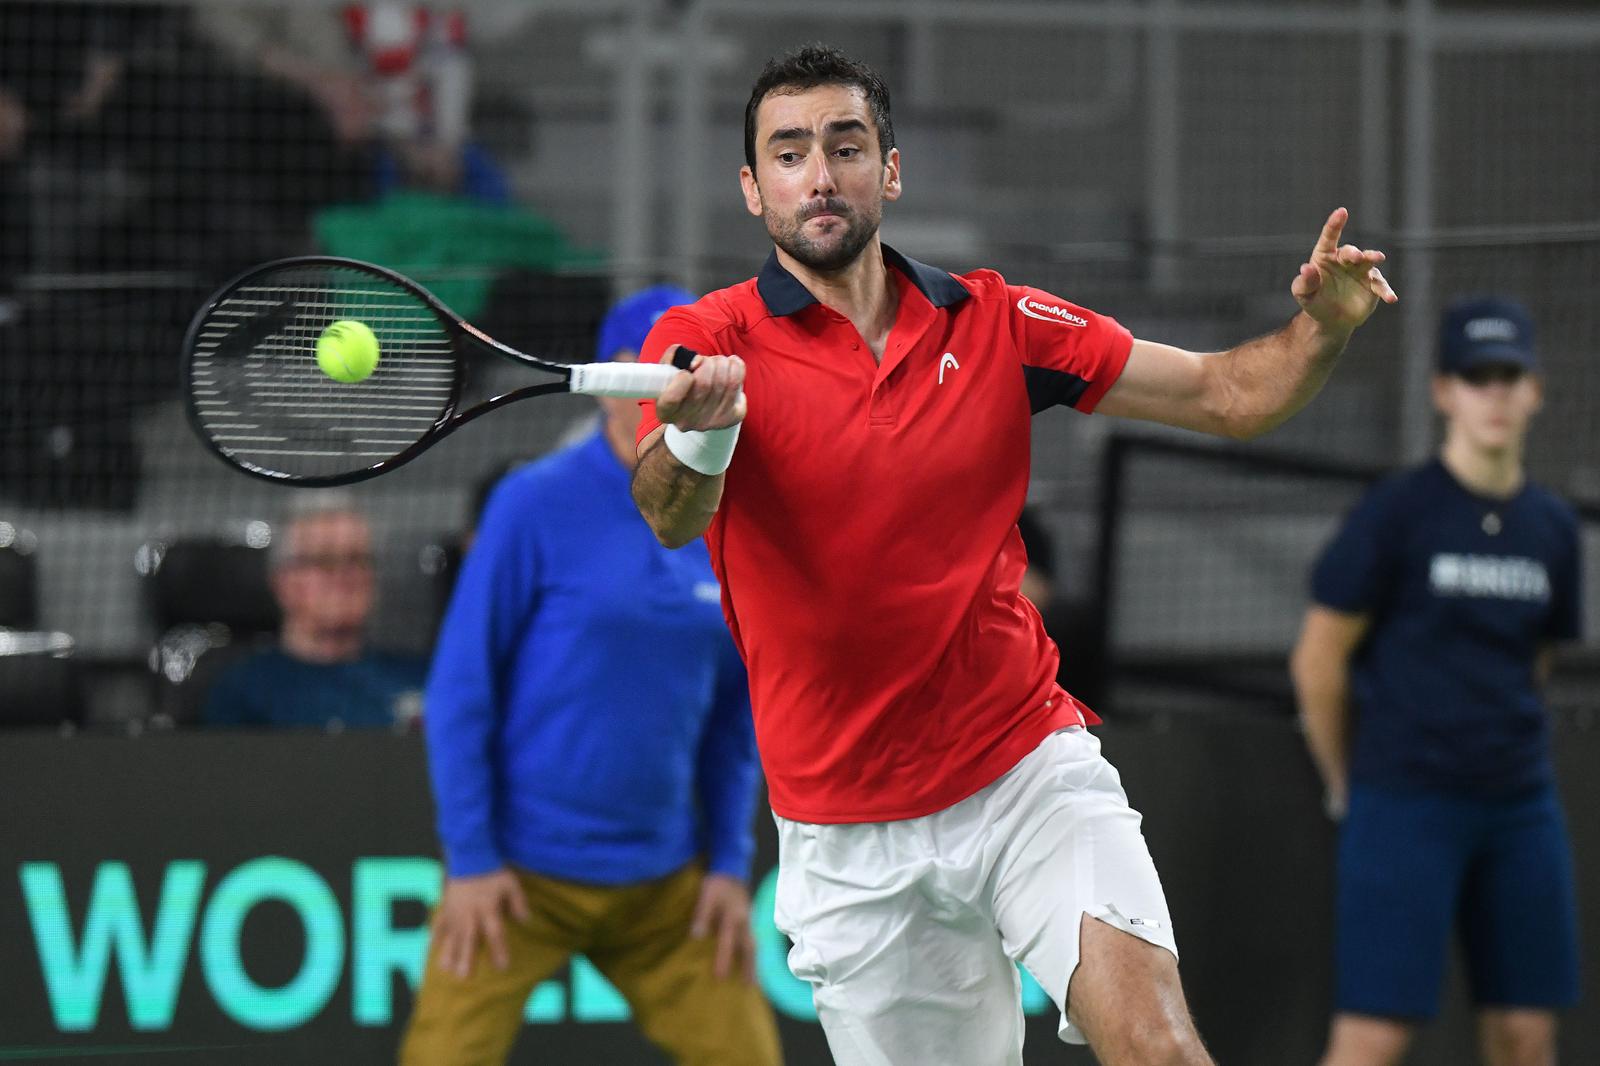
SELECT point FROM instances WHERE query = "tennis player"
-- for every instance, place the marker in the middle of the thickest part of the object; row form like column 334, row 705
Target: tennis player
column 1435, row 610
column 941, row 809
column 593, row 764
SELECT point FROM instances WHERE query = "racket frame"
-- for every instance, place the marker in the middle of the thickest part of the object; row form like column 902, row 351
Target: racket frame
column 449, row 419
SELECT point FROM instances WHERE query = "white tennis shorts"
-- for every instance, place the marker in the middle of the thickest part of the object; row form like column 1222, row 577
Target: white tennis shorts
column 907, row 931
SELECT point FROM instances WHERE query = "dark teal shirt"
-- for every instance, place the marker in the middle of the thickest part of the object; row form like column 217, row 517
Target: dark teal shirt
column 272, row 689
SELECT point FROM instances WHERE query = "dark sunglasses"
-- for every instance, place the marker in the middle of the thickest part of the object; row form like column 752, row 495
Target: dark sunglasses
column 1492, row 374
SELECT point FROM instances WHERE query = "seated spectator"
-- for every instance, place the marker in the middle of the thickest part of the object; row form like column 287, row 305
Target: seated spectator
column 398, row 76
column 321, row 674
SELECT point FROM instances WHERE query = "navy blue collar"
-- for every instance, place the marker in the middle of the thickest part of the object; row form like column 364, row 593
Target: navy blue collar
column 783, row 294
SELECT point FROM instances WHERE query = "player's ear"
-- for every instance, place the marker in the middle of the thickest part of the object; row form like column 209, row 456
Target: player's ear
column 752, row 191
column 891, row 175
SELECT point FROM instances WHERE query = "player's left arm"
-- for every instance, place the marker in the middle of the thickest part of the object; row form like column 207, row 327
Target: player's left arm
column 1256, row 386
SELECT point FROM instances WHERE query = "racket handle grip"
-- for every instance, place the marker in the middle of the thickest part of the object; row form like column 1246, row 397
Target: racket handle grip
column 638, row 380
column 628, row 380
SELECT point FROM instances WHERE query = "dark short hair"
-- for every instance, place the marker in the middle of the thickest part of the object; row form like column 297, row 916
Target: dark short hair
column 808, row 67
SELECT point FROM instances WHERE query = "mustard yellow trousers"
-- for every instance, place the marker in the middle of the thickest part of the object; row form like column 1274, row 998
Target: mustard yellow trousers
column 638, row 937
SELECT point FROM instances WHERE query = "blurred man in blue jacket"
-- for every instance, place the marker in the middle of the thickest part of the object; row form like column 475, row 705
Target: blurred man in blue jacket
column 593, row 764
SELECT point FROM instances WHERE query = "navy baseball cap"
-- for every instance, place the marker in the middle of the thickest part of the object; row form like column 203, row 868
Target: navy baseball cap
column 628, row 322
column 1485, row 331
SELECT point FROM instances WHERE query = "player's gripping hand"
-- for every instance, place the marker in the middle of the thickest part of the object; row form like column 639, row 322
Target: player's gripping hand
column 710, row 395
column 1340, row 285
column 474, row 909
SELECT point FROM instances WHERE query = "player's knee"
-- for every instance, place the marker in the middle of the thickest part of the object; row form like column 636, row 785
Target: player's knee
column 1169, row 1043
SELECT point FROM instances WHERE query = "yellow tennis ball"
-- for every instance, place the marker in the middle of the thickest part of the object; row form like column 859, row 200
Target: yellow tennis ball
column 347, row 351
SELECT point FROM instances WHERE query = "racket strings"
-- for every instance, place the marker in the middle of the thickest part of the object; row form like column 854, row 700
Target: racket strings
column 261, row 397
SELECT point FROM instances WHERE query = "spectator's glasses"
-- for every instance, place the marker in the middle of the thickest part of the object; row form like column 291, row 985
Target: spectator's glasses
column 333, row 562
column 1493, row 374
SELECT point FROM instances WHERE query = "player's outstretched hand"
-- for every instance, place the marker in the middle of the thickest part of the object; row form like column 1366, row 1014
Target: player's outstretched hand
column 474, row 909
column 723, row 911
column 1340, row 285
column 710, row 395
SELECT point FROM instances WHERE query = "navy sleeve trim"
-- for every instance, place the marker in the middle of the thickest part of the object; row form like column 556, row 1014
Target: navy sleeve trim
column 1051, row 388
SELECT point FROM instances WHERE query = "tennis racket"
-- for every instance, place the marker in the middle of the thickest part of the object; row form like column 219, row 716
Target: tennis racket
column 258, row 398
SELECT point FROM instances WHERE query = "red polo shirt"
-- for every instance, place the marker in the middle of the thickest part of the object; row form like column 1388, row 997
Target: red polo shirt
column 867, row 538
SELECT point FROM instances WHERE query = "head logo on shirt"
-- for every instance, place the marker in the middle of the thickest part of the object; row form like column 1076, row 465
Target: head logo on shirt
column 1049, row 312
column 947, row 363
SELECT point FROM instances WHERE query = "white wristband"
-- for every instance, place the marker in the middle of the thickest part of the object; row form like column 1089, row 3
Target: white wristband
column 705, row 451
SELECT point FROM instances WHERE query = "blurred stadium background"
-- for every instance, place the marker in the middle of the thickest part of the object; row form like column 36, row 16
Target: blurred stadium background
column 1166, row 162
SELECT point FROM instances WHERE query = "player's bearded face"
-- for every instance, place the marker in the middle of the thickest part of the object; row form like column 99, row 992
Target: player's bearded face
column 820, row 178
column 828, row 247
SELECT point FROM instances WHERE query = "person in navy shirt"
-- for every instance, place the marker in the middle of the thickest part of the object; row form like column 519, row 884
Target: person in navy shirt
column 1419, row 672
column 321, row 674
column 593, row 762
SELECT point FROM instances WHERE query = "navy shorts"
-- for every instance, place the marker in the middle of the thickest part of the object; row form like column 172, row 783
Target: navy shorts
column 1416, row 866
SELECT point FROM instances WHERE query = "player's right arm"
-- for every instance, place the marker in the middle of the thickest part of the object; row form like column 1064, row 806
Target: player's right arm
column 1320, row 667
column 676, row 500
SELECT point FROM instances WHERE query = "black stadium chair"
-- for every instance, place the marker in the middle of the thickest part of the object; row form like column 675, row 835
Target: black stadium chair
column 439, row 563
column 210, row 601
column 208, row 580
column 40, row 686
column 186, row 661
column 19, row 579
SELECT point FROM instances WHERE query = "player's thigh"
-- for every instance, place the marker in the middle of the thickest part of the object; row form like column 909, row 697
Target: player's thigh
column 1402, row 860
column 1519, row 912
column 902, row 974
column 1071, row 847
column 669, row 980
column 473, row 1021
column 941, row 994
column 1126, row 998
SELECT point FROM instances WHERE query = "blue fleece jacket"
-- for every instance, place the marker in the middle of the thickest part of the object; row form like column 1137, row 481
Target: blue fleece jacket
column 586, row 713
